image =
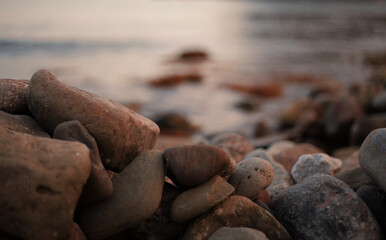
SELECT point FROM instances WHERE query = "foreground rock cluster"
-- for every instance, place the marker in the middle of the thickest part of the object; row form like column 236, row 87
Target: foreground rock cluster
column 75, row 166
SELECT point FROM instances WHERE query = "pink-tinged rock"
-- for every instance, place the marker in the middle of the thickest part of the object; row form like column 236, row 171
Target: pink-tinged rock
column 121, row 133
column 13, row 96
column 192, row 165
column 77, row 233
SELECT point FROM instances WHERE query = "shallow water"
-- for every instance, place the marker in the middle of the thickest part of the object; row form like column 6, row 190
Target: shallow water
column 113, row 48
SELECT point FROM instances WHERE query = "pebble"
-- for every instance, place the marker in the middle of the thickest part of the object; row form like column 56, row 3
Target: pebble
column 236, row 145
column 41, row 181
column 22, row 124
column 364, row 125
column 13, row 96
column 121, row 133
column 311, row 164
column 323, row 207
column 355, row 178
column 372, row 156
column 227, row 233
column 251, row 177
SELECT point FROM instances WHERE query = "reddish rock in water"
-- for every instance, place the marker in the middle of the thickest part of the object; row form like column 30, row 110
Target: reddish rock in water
column 13, row 96
column 192, row 165
column 193, row 56
column 99, row 185
column 22, row 124
column 264, row 89
column 176, row 79
column 121, row 133
column 41, row 181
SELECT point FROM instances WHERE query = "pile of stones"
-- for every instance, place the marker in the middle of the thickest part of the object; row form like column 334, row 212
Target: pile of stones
column 74, row 165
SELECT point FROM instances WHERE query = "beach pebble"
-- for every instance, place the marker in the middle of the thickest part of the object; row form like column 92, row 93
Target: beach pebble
column 236, row 211
column 311, row 164
column 372, row 156
column 99, row 185
column 355, row 178
column 251, row 176
column 160, row 225
column 289, row 156
column 191, row 165
column 227, row 233
column 77, row 233
column 121, row 133
column 41, row 181
column 277, row 147
column 22, row 124
column 363, row 126
column 264, row 197
column 323, row 207
column 236, row 145
column 196, row 201
column 13, row 96
column 174, row 124
column 137, row 195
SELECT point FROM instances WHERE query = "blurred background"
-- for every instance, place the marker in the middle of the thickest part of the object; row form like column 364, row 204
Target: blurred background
column 204, row 66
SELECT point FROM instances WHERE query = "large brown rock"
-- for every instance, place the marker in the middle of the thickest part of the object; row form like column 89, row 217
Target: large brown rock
column 236, row 211
column 22, row 124
column 137, row 195
column 13, row 96
column 196, row 201
column 323, row 207
column 99, row 185
column 121, row 133
column 41, row 181
column 192, row 165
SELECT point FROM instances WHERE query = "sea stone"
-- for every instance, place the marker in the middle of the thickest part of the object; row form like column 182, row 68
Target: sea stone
column 196, row 201
column 22, row 124
column 251, row 176
column 372, row 156
column 236, row 211
column 121, row 133
column 310, row 164
column 226, row 233
column 160, row 226
column 323, row 207
column 137, row 195
column 355, row 178
column 41, row 181
column 192, row 165
column 236, row 145
column 289, row 156
column 99, row 185
column 13, row 96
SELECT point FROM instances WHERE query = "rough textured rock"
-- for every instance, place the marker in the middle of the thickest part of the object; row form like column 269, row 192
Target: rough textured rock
column 41, row 181
column 236, row 145
column 226, row 233
column 13, row 96
column 22, row 124
column 363, row 126
column 77, row 233
column 372, row 156
column 236, row 211
column 375, row 199
column 323, row 207
column 160, row 226
column 355, row 178
column 311, row 164
column 196, row 201
column 99, row 185
column 121, row 134
column 192, row 165
column 137, row 195
column 289, row 156
column 251, row 176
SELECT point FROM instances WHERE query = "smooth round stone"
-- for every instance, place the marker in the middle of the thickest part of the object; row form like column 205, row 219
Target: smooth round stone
column 242, row 233
column 13, row 96
column 251, row 176
column 99, row 185
column 196, row 201
column 192, row 165
column 323, row 207
column 355, row 178
column 41, row 181
column 137, row 195
column 22, row 124
column 121, row 133
column 311, row 164
column 372, row 156
column 236, row 145
column 236, row 211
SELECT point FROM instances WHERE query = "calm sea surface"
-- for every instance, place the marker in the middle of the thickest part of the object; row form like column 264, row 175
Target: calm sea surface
column 113, row 48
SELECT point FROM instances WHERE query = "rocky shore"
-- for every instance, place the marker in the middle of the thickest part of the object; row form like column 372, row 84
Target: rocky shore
column 76, row 166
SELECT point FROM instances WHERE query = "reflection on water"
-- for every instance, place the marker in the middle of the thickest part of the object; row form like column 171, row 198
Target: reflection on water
column 112, row 48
